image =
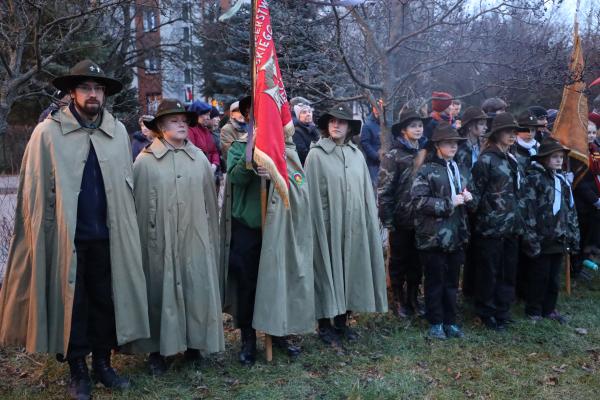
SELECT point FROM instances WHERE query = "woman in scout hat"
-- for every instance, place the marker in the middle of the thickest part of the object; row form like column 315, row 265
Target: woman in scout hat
column 551, row 229
column 526, row 146
column 178, row 221
column 498, row 222
column 395, row 180
column 474, row 125
column 348, row 255
column 439, row 198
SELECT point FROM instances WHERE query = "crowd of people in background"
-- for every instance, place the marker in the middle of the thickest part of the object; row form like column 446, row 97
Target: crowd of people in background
column 140, row 242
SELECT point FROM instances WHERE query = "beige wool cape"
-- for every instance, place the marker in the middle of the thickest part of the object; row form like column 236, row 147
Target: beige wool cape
column 178, row 220
column 348, row 254
column 36, row 300
column 284, row 302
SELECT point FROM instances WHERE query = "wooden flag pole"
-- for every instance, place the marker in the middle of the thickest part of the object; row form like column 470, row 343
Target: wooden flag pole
column 568, row 273
column 263, row 181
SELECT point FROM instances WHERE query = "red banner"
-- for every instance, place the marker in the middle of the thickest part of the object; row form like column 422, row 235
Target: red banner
column 272, row 116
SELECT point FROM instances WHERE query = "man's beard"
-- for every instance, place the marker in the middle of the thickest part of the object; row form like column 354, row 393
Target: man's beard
column 91, row 108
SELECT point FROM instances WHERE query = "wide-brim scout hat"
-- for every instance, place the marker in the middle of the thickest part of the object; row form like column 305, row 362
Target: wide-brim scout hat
column 445, row 131
column 549, row 146
column 472, row 114
column 170, row 107
column 83, row 71
column 339, row 112
column 503, row 121
column 406, row 116
column 526, row 120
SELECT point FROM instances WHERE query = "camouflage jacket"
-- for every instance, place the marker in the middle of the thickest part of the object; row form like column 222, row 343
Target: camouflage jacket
column 395, row 180
column 438, row 224
column 464, row 154
column 522, row 154
column 497, row 179
column 544, row 231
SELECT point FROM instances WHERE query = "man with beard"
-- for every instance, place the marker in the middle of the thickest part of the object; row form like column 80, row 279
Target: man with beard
column 74, row 282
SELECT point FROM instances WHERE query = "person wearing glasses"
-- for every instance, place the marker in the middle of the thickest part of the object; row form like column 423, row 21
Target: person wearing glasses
column 74, row 281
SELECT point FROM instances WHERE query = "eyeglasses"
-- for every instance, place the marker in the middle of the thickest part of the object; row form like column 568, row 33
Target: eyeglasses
column 88, row 89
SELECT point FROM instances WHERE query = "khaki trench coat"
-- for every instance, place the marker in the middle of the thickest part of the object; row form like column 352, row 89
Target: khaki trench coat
column 348, row 254
column 36, row 300
column 178, row 221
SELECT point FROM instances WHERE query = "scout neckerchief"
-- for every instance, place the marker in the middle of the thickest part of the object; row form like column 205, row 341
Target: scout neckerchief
column 453, row 177
column 531, row 146
column 558, row 192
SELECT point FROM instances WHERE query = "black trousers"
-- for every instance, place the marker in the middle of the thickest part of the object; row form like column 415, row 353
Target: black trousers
column 495, row 276
column 470, row 266
column 93, row 321
column 543, row 283
column 405, row 266
column 442, row 272
column 244, row 258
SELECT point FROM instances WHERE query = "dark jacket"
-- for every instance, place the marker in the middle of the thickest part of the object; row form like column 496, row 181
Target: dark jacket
column 370, row 140
column 433, row 121
column 395, row 180
column 304, row 135
column 464, row 155
column 439, row 225
column 138, row 142
column 587, row 191
column 523, row 155
column 497, row 181
column 545, row 232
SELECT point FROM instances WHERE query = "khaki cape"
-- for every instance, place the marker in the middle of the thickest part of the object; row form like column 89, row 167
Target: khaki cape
column 36, row 300
column 177, row 212
column 284, row 302
column 348, row 254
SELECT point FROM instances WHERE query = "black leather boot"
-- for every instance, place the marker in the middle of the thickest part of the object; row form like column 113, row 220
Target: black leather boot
column 193, row 357
column 340, row 323
column 157, row 364
column 282, row 343
column 105, row 374
column 248, row 350
column 80, row 385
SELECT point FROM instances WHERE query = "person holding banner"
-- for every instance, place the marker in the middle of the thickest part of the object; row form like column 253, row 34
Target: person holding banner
column 348, row 257
column 551, row 229
column 177, row 216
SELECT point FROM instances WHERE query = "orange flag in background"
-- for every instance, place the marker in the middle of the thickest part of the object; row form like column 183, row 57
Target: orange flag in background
column 571, row 123
column 272, row 116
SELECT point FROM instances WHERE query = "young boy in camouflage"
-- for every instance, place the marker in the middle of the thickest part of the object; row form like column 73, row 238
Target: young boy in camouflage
column 440, row 196
column 551, row 229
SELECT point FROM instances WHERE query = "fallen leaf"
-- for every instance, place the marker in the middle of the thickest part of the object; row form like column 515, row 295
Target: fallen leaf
column 457, row 376
column 561, row 369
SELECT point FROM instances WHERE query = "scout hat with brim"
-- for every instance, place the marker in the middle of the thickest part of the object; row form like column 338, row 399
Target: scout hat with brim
column 526, row 121
column 406, row 116
column 472, row 114
column 87, row 70
column 170, row 107
column 339, row 112
column 548, row 147
column 445, row 132
column 503, row 121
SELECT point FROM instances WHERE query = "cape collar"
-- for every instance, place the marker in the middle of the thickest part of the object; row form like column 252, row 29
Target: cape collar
column 68, row 122
column 159, row 149
column 328, row 145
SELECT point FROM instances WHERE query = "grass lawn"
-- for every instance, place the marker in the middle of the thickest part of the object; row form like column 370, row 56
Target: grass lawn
column 392, row 360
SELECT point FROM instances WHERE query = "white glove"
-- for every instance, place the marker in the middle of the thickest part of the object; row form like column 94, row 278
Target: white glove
column 213, row 167
column 597, row 204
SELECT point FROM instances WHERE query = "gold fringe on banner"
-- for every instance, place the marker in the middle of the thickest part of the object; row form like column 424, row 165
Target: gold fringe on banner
column 263, row 160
